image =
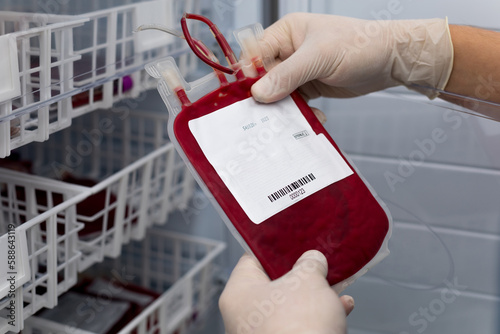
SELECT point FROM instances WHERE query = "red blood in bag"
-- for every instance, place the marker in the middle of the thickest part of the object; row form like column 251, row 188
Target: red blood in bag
column 343, row 220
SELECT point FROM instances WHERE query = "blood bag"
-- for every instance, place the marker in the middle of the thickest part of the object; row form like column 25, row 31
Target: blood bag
column 273, row 173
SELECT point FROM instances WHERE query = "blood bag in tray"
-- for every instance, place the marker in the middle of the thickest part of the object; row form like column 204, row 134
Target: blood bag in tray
column 274, row 174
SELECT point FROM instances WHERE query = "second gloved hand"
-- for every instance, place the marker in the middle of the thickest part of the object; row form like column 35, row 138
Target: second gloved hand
column 299, row 302
column 335, row 56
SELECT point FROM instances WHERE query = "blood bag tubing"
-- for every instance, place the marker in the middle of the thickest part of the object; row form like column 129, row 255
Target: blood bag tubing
column 224, row 45
column 196, row 43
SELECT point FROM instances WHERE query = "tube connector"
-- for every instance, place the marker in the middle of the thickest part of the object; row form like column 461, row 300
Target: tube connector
column 247, row 38
column 170, row 73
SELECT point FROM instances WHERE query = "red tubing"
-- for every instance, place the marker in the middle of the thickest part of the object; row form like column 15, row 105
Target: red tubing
column 181, row 94
column 221, row 40
column 203, row 48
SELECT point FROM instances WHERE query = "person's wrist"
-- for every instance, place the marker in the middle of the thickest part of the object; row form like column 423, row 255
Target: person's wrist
column 423, row 54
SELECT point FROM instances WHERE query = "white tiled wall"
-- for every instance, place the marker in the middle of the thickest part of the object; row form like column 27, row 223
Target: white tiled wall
column 482, row 12
column 439, row 172
column 401, row 310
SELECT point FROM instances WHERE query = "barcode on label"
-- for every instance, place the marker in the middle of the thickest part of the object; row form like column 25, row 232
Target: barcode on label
column 291, row 187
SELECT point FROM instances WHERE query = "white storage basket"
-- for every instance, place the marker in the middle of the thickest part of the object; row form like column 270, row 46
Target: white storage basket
column 139, row 180
column 57, row 67
column 182, row 268
column 39, row 63
column 42, row 239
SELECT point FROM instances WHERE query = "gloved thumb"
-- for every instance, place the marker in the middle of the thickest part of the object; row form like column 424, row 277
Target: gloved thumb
column 312, row 262
column 287, row 76
column 315, row 265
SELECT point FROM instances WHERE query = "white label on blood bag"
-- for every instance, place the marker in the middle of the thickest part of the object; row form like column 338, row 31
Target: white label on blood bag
column 268, row 155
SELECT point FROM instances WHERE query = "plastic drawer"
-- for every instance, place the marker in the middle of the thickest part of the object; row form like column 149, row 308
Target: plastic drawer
column 139, row 180
column 58, row 67
column 183, row 268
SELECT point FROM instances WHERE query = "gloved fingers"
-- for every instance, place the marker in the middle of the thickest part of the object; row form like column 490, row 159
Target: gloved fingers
column 248, row 272
column 319, row 115
column 287, row 76
column 348, row 303
column 313, row 89
column 277, row 41
column 314, row 264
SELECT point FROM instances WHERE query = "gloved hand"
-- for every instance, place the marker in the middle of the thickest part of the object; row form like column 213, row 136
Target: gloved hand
column 299, row 302
column 337, row 56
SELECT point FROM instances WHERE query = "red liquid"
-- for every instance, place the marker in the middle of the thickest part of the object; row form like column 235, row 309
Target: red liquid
column 343, row 220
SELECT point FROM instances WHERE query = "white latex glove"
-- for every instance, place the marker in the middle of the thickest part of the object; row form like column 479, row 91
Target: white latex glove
column 337, row 56
column 301, row 301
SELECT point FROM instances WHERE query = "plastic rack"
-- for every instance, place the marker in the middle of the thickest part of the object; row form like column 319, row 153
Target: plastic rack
column 57, row 67
column 139, row 181
column 183, row 268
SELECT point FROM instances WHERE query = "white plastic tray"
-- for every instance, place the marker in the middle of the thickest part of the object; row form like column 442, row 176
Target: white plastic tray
column 140, row 180
column 57, row 67
column 45, row 260
column 180, row 267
